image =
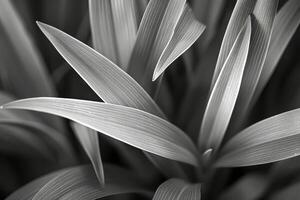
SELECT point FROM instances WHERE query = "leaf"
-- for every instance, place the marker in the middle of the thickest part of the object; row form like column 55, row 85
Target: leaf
column 225, row 92
column 78, row 182
column 154, row 34
column 187, row 31
column 114, row 28
column 289, row 193
column 273, row 139
column 242, row 10
column 285, row 25
column 174, row 189
column 27, row 191
column 108, row 81
column 262, row 23
column 134, row 127
column 90, row 142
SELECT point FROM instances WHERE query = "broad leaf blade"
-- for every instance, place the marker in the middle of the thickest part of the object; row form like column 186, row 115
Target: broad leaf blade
column 154, row 34
column 90, row 142
column 225, row 92
column 114, row 28
column 134, row 127
column 242, row 10
column 270, row 140
column 174, row 189
column 187, row 31
column 108, row 81
column 285, row 25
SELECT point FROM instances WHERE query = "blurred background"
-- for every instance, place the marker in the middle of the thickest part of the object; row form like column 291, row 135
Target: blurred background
column 71, row 16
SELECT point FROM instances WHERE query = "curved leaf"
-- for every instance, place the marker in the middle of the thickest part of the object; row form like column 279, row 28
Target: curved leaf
column 174, row 189
column 225, row 92
column 90, row 142
column 78, row 182
column 134, row 127
column 242, row 10
column 187, row 31
column 262, row 24
column 270, row 140
column 290, row 193
column 108, row 81
column 154, row 34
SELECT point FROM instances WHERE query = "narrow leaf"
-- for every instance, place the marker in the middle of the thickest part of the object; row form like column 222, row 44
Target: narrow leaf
column 270, row 140
column 187, row 31
column 174, row 189
column 225, row 92
column 154, row 34
column 285, row 25
column 134, row 127
column 242, row 10
column 108, row 81
column 90, row 142
column 114, row 28
column 262, row 23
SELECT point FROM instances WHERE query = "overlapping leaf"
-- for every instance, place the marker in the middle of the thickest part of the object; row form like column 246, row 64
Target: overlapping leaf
column 78, row 183
column 174, row 189
column 154, row 34
column 114, row 27
column 187, row 31
column 270, row 140
column 285, row 25
column 134, row 127
column 242, row 9
column 263, row 18
column 225, row 92
column 108, row 81
column 90, row 142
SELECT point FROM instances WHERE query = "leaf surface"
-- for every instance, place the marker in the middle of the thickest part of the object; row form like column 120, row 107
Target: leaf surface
column 134, row 127
column 273, row 139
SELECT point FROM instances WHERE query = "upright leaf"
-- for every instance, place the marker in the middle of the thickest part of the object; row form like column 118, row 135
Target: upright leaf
column 242, row 10
column 154, row 34
column 174, row 189
column 187, row 31
column 263, row 18
column 114, row 28
column 225, row 92
column 134, row 127
column 90, row 142
column 270, row 140
column 285, row 25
